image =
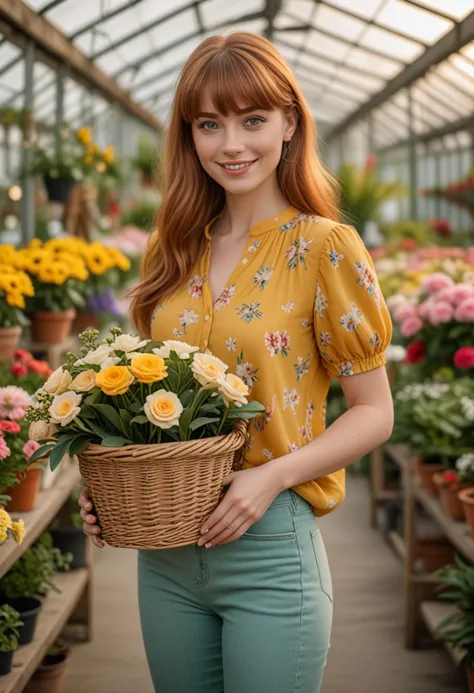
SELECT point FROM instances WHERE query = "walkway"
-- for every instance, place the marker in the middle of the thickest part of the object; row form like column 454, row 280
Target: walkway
column 367, row 654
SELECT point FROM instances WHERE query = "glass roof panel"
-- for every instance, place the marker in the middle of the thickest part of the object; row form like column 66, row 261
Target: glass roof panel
column 221, row 11
column 391, row 45
column 300, row 9
column 364, row 8
column 421, row 25
column 458, row 9
column 378, row 66
column 337, row 22
column 324, row 44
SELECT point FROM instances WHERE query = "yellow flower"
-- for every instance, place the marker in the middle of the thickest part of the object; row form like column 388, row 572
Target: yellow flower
column 109, row 154
column 18, row 531
column 119, row 259
column 5, row 520
column 84, row 382
column 163, row 409
column 88, row 159
column 148, row 368
column 97, row 259
column 16, row 299
column 64, row 408
column 207, row 368
column 114, row 380
column 3, row 535
column 233, row 389
column 84, row 135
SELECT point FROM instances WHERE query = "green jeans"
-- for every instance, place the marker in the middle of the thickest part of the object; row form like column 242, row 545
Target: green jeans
column 251, row 616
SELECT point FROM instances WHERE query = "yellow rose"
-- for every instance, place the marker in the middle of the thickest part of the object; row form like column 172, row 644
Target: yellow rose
column 5, row 519
column 84, row 382
column 114, row 380
column 3, row 535
column 64, row 408
column 18, row 531
column 163, row 409
column 148, row 368
column 233, row 389
column 58, row 382
column 207, row 369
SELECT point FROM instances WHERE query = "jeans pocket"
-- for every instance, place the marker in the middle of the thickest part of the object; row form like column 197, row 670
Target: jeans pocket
column 276, row 524
column 268, row 537
column 322, row 563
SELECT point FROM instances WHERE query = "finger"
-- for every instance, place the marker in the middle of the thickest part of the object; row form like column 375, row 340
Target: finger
column 238, row 534
column 234, row 531
column 85, row 499
column 220, row 512
column 222, row 526
column 90, row 529
column 98, row 542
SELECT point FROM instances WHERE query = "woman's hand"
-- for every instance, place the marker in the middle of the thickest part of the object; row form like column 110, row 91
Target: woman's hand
column 250, row 494
column 90, row 520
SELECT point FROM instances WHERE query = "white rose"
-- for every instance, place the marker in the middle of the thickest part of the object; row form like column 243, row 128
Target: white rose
column 64, row 408
column 183, row 350
column 233, row 389
column 207, row 369
column 84, row 382
column 126, row 343
column 41, row 430
column 58, row 382
column 95, row 357
column 163, row 409
column 111, row 361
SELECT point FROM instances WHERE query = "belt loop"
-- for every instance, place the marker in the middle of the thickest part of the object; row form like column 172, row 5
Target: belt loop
column 293, row 500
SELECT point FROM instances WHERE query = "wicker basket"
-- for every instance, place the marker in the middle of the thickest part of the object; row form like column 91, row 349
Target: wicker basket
column 159, row 496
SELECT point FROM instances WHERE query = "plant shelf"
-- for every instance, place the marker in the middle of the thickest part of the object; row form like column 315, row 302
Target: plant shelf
column 435, row 612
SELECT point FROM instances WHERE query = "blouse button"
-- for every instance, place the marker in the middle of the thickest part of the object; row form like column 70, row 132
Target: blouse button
column 244, row 261
column 206, row 318
column 205, row 342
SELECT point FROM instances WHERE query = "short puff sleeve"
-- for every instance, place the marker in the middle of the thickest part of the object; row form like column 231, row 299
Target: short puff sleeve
column 351, row 320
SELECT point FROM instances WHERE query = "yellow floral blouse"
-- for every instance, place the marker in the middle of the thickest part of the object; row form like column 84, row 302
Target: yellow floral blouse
column 302, row 306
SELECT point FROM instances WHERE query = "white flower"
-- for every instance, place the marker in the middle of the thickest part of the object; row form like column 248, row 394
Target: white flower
column 64, row 408
column 395, row 353
column 465, row 463
column 95, row 357
column 467, row 406
column 233, row 389
column 58, row 382
column 163, row 409
column 207, row 369
column 41, row 430
column 127, row 342
column 84, row 382
column 110, row 361
column 183, row 350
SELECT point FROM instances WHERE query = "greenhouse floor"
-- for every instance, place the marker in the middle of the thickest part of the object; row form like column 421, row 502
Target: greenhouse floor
column 367, row 653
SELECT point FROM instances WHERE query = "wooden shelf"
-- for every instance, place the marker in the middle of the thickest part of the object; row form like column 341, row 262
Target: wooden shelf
column 435, row 612
column 398, row 544
column 55, row 613
column 37, row 520
column 400, row 454
column 457, row 532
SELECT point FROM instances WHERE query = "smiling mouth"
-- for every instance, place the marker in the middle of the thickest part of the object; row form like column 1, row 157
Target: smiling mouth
column 238, row 166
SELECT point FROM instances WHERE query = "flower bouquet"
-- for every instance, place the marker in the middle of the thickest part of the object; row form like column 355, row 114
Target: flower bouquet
column 452, row 481
column 156, row 427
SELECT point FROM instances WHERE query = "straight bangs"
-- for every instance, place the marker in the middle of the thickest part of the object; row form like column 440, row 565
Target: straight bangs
column 235, row 82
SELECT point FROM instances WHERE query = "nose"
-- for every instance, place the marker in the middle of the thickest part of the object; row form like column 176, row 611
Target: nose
column 233, row 144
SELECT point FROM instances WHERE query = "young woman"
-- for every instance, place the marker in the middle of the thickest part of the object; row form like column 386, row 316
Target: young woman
column 249, row 260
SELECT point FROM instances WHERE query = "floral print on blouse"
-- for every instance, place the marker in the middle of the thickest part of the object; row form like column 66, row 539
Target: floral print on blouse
column 302, row 305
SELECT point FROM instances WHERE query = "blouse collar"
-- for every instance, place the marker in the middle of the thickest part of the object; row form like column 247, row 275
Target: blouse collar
column 264, row 226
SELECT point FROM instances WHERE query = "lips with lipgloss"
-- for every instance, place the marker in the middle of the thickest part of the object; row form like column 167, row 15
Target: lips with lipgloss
column 237, row 168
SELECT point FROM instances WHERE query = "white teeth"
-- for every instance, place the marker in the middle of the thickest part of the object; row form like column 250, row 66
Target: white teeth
column 235, row 167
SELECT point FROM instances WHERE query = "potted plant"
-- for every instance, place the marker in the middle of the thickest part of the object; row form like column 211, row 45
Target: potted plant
column 29, row 580
column 24, row 371
column 129, row 409
column 467, row 499
column 148, row 162
column 9, row 624
column 66, row 531
column 140, row 215
column 452, row 481
column 50, row 676
column 434, row 419
column 458, row 629
column 14, row 286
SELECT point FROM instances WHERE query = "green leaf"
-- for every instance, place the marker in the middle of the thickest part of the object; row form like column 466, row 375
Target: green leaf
column 93, row 398
column 186, row 398
column 202, row 421
column 116, row 442
column 136, row 407
column 60, row 449
column 78, row 445
column 41, row 451
column 139, row 419
column 111, row 415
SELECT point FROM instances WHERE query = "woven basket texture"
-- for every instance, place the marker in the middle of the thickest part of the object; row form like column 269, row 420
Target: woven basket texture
column 159, row 496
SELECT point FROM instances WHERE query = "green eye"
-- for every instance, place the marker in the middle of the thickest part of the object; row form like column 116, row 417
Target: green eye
column 255, row 120
column 204, row 126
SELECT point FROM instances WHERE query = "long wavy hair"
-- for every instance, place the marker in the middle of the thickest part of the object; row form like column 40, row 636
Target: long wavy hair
column 239, row 69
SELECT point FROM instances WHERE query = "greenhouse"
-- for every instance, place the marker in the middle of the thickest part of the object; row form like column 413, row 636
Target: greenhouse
column 153, row 217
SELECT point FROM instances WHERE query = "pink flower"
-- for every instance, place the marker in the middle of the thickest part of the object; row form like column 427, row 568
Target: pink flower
column 405, row 311
column 13, row 402
column 465, row 311
column 411, row 326
column 29, row 448
column 435, row 282
column 4, row 449
column 424, row 309
column 441, row 312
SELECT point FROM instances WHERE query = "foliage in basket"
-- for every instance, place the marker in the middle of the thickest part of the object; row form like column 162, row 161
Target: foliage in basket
column 24, row 371
column 436, row 419
column 33, row 573
column 16, row 447
column 458, row 629
column 126, row 391
column 9, row 624
column 15, row 284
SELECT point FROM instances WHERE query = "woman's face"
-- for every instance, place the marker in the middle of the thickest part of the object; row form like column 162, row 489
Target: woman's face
column 241, row 151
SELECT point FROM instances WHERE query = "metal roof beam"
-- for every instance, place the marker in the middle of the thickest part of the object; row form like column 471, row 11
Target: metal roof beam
column 458, row 37
column 466, row 123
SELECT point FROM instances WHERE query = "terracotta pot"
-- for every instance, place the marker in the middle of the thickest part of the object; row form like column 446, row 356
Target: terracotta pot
column 467, row 499
column 52, row 328
column 9, row 340
column 425, row 474
column 83, row 320
column 434, row 553
column 470, row 679
column 452, row 506
column 23, row 495
column 50, row 676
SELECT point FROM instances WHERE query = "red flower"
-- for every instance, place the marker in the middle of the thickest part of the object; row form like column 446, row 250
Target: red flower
column 39, row 367
column 416, row 352
column 464, row 358
column 408, row 244
column 370, row 161
column 450, row 476
column 442, row 227
column 18, row 370
column 10, row 427
column 23, row 356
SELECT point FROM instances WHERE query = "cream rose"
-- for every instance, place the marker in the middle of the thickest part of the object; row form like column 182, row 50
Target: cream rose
column 95, row 357
column 58, row 382
column 207, row 369
column 64, row 408
column 183, row 350
column 126, row 343
column 233, row 389
column 41, row 430
column 163, row 409
column 84, row 382
column 110, row 361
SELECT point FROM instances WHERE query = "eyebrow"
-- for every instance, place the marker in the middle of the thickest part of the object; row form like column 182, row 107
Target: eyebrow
column 242, row 112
